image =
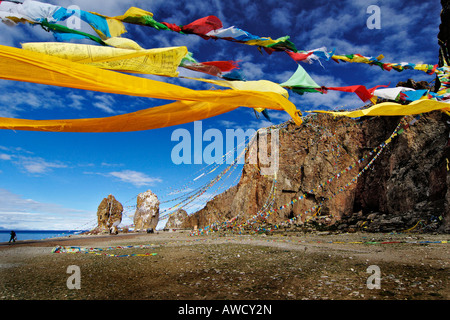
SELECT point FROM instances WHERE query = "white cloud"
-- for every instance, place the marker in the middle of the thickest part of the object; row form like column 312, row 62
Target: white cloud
column 228, row 124
column 17, row 212
column 281, row 17
column 37, row 165
column 10, row 202
column 105, row 103
column 136, row 178
column 283, row 76
column 5, row 156
column 218, row 10
column 23, row 97
column 106, row 164
column 326, row 80
column 76, row 101
column 253, row 71
column 104, row 107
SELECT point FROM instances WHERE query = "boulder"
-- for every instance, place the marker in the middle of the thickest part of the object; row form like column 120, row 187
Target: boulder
column 109, row 215
column 147, row 211
column 177, row 220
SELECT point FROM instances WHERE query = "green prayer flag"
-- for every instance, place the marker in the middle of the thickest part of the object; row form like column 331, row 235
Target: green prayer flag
column 58, row 28
column 301, row 80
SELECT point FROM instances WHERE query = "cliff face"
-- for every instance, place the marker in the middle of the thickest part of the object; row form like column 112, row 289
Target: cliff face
column 309, row 156
column 405, row 186
column 218, row 209
column 408, row 183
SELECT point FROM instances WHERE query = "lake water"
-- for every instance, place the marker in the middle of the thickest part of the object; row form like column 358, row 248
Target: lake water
column 35, row 234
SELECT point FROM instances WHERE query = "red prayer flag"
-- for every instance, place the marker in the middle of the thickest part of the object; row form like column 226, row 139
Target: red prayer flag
column 199, row 67
column 297, row 56
column 172, row 26
column 224, row 66
column 360, row 90
column 203, row 25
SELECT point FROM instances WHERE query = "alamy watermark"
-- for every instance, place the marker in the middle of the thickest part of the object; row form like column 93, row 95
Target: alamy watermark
column 262, row 149
column 374, row 280
column 74, row 21
column 374, row 20
column 74, row 281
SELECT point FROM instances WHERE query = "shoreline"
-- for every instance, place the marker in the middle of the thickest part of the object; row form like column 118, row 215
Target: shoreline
column 76, row 238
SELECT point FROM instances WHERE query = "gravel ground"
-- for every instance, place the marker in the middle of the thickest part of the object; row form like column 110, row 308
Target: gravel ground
column 316, row 266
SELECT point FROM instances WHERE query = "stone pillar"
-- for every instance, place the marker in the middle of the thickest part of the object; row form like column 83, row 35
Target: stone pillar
column 147, row 211
column 109, row 214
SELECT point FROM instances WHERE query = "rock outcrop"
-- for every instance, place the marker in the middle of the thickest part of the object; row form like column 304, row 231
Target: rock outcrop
column 406, row 185
column 219, row 208
column 308, row 156
column 147, row 211
column 109, row 215
column 177, row 220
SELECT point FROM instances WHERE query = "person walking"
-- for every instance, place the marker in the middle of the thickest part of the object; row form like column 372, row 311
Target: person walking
column 13, row 237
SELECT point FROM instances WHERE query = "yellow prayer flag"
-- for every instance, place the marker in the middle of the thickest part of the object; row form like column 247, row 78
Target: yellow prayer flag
column 258, row 85
column 374, row 99
column 263, row 42
column 131, row 12
column 116, row 28
column 123, row 43
column 161, row 61
column 152, row 118
column 394, row 109
column 23, row 65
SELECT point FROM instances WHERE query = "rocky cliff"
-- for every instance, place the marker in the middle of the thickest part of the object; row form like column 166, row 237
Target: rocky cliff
column 405, row 186
column 408, row 184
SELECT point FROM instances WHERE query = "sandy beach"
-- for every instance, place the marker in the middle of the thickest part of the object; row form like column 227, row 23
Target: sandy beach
column 177, row 266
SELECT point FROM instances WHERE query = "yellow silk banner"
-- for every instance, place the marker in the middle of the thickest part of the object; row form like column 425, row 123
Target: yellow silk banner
column 152, row 118
column 259, row 85
column 394, row 109
column 22, row 65
column 161, row 61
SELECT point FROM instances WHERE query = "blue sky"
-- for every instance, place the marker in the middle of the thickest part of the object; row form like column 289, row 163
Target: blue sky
column 57, row 180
